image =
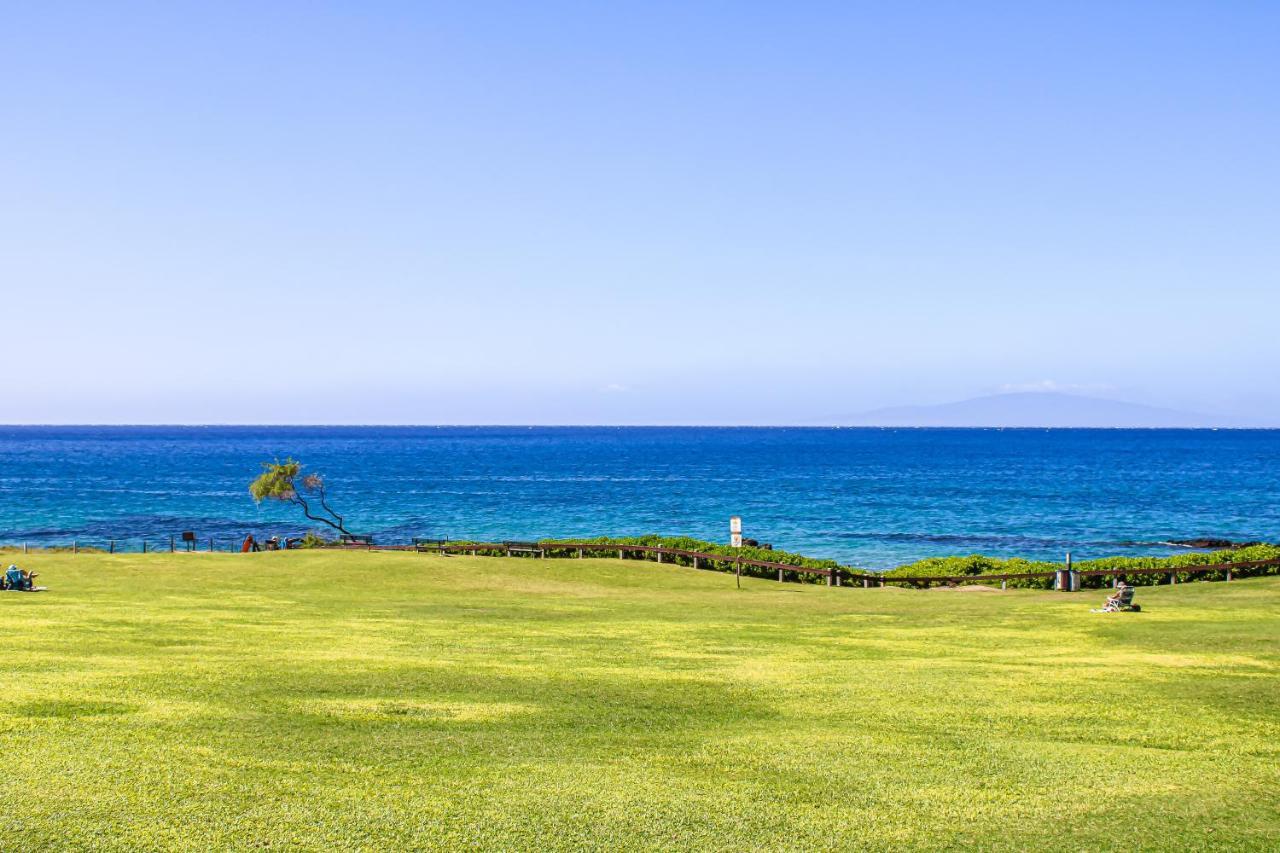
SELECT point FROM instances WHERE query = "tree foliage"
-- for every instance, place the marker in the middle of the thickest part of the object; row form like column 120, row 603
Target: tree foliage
column 285, row 482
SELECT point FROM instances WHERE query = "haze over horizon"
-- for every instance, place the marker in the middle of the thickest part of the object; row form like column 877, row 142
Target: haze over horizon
column 634, row 213
column 1047, row 409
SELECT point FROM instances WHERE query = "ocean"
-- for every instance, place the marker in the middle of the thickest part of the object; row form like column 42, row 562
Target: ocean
column 871, row 498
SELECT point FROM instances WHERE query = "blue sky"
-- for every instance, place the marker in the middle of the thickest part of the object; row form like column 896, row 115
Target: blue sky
column 633, row 213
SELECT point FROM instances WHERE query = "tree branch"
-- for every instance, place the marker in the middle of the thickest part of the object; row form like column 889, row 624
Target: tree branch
column 306, row 510
column 324, row 503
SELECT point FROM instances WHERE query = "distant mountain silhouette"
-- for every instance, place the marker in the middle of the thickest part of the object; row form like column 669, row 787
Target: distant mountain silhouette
column 1039, row 409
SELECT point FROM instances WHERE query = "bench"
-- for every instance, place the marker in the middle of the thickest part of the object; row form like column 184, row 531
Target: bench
column 524, row 548
column 356, row 539
column 421, row 544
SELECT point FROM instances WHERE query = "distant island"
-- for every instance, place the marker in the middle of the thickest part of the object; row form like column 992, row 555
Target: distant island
column 1041, row 409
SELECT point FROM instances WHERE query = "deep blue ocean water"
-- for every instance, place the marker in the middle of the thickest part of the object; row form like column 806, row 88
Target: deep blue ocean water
column 869, row 497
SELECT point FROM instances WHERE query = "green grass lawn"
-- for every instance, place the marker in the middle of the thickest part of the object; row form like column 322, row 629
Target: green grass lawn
column 392, row 700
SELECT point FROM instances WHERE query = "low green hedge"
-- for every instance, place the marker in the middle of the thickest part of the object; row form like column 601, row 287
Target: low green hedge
column 686, row 543
column 974, row 565
column 977, row 565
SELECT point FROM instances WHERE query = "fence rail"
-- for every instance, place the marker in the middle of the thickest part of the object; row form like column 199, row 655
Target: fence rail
column 132, row 545
column 835, row 576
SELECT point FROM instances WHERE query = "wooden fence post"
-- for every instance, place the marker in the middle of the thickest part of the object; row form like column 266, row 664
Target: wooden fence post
column 170, row 543
column 695, row 561
column 831, row 578
column 1228, row 573
column 111, row 547
column 1004, row 583
column 619, row 553
column 659, row 556
column 779, row 575
column 579, row 553
column 75, row 548
column 144, row 546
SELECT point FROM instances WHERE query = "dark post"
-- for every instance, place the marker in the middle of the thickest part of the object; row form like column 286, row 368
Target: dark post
column 75, row 549
column 738, row 572
column 111, row 548
column 170, row 543
column 144, row 546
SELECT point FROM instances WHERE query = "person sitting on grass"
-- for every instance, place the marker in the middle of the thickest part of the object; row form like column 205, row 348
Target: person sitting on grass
column 16, row 578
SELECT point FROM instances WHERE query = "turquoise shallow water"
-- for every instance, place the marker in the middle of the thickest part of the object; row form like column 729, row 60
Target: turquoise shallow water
column 869, row 497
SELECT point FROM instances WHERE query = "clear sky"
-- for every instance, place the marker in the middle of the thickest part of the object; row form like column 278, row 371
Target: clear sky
column 685, row 212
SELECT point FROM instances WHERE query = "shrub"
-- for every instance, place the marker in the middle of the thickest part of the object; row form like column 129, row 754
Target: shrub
column 978, row 564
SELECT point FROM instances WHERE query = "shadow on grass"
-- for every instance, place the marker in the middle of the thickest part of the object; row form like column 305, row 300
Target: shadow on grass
column 404, row 714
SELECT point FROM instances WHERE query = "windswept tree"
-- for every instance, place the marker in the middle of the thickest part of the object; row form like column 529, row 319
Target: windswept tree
column 285, row 482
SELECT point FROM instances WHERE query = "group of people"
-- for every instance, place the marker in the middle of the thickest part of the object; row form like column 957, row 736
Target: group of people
column 18, row 579
column 275, row 543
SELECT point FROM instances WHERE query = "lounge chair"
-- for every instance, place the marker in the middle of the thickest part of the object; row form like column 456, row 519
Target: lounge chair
column 1121, row 602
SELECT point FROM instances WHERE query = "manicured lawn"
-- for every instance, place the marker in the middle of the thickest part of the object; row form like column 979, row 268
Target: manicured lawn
column 391, row 701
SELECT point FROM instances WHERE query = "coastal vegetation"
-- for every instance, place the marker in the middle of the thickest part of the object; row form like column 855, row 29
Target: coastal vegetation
column 977, row 565
column 973, row 566
column 284, row 482
column 364, row 700
column 684, row 543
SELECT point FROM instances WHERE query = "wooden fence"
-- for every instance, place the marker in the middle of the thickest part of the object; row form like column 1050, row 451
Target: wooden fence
column 835, row 576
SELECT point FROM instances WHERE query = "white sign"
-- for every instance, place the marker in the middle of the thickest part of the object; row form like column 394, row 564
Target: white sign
column 735, row 532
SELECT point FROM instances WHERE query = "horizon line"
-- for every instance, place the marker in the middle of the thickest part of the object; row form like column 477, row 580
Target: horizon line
column 193, row 425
